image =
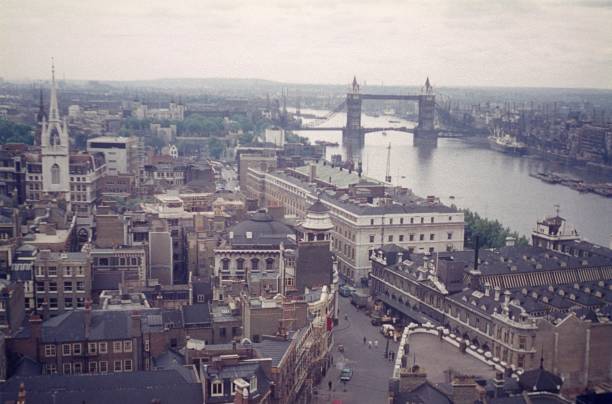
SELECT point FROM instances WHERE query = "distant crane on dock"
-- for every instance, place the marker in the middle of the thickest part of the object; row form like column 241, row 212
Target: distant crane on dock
column 388, row 171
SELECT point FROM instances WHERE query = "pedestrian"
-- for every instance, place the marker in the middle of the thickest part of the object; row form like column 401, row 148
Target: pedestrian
column 370, row 344
column 329, row 384
column 375, row 343
column 364, row 340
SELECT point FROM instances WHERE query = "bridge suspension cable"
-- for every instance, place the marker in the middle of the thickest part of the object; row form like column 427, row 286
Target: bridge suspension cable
column 327, row 117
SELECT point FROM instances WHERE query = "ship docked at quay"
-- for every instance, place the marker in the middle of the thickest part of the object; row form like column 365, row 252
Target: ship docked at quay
column 505, row 143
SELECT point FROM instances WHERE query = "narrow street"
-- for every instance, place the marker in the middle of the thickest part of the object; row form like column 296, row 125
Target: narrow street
column 371, row 370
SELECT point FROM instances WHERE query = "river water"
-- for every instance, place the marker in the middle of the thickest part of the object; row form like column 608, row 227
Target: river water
column 470, row 175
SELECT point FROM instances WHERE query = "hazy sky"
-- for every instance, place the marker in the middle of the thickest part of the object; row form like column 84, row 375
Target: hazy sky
column 513, row 43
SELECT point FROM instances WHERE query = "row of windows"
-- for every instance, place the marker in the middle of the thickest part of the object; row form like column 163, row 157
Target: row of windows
column 412, row 220
column 225, row 264
column 52, row 287
column 125, row 365
column 65, row 271
column 112, row 261
column 52, row 302
column 92, row 348
column 401, row 237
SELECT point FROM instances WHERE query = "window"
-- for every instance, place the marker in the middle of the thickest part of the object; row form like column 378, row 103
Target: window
column 412, row 220
column 390, row 220
column 68, row 271
column 127, row 346
column 401, row 220
column 67, row 368
column 390, row 238
column 103, row 366
column 80, row 286
column 55, row 169
column 401, row 237
column 253, row 383
column 431, row 249
column 76, row 349
column 200, row 299
column 431, row 236
column 216, row 388
column 52, row 271
column 67, row 286
column 432, row 220
column 371, row 238
column 421, row 237
column 92, row 348
column 127, row 365
column 233, row 389
column 411, row 237
column 80, row 271
column 40, row 287
column 240, row 264
column 50, row 368
column 49, row 351
column 117, row 346
column 422, row 220
column 147, row 345
column 77, row 368
column 117, row 366
column 225, row 264
column 269, row 264
column 103, row 347
column 254, row 264
column 522, row 342
column 66, row 349
column 371, row 222
column 93, row 367
column 449, row 236
column 222, row 332
column 53, row 302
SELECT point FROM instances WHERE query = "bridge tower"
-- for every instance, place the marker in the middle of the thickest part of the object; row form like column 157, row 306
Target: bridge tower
column 425, row 132
column 352, row 136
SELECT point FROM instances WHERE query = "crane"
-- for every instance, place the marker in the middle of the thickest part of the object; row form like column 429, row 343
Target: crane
column 388, row 172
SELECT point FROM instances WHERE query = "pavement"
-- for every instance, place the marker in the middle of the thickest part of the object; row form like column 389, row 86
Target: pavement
column 371, row 370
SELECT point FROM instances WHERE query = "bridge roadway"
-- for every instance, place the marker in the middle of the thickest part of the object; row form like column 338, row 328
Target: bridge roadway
column 442, row 133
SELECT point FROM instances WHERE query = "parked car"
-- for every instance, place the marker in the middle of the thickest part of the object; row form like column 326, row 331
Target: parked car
column 346, row 290
column 387, row 330
column 346, row 374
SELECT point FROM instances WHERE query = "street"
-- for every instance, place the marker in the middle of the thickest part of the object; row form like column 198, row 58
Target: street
column 371, row 370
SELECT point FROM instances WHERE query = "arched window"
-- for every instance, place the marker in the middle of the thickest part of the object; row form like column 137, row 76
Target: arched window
column 225, row 264
column 54, row 138
column 240, row 264
column 55, row 174
column 269, row 263
column 255, row 264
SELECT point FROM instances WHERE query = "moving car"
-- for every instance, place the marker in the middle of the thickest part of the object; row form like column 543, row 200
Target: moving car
column 346, row 290
column 346, row 374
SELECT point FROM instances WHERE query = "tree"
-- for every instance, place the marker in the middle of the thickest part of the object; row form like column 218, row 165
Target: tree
column 11, row 132
column 492, row 233
column 216, row 147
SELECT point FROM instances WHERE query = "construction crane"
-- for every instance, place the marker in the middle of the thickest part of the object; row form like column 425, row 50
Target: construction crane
column 388, row 172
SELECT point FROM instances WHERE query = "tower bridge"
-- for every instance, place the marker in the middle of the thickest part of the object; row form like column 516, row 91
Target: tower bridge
column 353, row 133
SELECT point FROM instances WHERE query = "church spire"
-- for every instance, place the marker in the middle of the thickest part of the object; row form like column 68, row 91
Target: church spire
column 53, row 110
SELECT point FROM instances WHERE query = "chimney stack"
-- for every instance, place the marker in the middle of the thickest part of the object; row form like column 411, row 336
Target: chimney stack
column 497, row 292
column 476, row 250
column 411, row 378
column 312, row 174
column 464, row 390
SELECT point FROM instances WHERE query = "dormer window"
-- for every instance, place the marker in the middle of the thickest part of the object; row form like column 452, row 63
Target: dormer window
column 216, row 388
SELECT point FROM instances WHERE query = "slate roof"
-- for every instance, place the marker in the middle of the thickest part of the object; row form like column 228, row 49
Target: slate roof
column 128, row 387
column 70, row 326
column 425, row 393
column 196, row 314
column 272, row 349
column 242, row 370
column 263, row 230
column 540, row 379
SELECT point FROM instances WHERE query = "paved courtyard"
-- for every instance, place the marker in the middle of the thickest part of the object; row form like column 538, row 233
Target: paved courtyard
column 436, row 357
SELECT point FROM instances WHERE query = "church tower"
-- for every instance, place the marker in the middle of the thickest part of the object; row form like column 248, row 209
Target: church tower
column 55, row 150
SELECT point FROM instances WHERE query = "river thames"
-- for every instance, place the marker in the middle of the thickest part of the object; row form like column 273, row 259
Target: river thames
column 470, row 175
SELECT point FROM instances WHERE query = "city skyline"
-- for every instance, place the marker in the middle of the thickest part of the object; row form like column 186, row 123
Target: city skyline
column 510, row 44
